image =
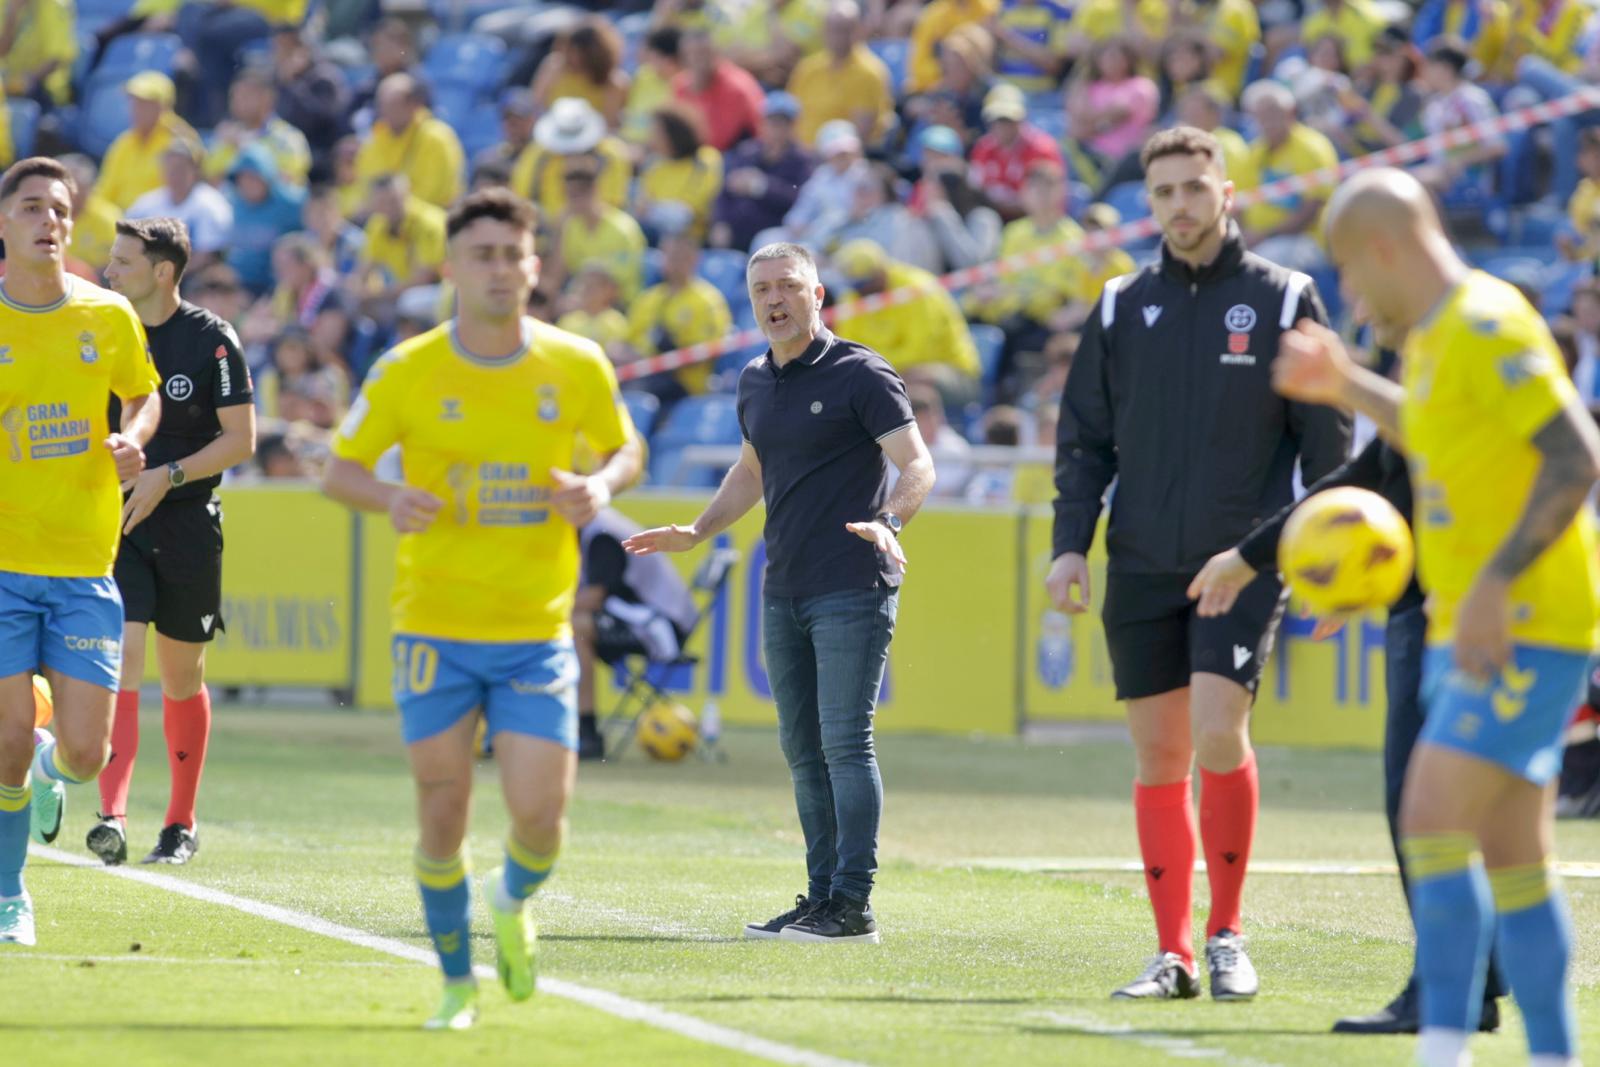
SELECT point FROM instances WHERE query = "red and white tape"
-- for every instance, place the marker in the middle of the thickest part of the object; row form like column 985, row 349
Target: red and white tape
column 1585, row 99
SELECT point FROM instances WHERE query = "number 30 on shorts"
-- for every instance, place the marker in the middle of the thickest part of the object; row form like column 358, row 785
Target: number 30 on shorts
column 416, row 665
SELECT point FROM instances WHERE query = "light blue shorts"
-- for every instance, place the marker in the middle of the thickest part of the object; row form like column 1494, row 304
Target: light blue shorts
column 527, row 687
column 71, row 625
column 1519, row 721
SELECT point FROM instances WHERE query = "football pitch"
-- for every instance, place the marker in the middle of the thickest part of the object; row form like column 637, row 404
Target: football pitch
column 1007, row 914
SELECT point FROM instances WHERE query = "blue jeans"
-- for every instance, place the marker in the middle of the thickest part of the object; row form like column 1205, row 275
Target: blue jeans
column 825, row 659
column 1551, row 83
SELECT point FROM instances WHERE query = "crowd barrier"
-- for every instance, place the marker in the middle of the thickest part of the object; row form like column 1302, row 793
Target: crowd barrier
column 977, row 649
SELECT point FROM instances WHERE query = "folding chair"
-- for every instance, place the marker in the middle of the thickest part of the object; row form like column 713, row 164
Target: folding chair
column 643, row 680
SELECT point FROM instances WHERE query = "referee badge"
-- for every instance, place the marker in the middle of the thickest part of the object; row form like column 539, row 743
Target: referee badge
column 86, row 349
column 1241, row 318
column 549, row 410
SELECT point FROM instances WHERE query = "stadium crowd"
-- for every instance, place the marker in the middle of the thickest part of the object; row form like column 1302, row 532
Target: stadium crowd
column 312, row 147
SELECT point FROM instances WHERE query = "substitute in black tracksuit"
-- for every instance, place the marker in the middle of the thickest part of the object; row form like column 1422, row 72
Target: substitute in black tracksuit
column 1170, row 396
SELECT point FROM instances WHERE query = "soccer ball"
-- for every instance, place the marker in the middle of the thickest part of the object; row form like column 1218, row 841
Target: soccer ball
column 668, row 731
column 44, row 708
column 1346, row 550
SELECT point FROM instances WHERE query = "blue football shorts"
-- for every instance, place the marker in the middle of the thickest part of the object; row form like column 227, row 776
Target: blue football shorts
column 71, row 625
column 1519, row 721
column 527, row 687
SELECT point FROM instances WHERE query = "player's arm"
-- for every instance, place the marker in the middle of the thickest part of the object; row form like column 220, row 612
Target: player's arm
column 579, row 498
column 1086, row 462
column 1314, row 367
column 1569, row 463
column 369, row 428
column 738, row 493
column 354, row 485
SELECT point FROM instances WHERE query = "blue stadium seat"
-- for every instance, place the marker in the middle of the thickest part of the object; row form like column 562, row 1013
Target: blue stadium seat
column 24, row 125
column 131, row 53
column 466, row 60
column 652, row 267
column 1519, row 266
column 896, row 55
column 1079, row 197
column 1326, row 280
column 1053, row 122
column 1130, row 200
column 1538, row 224
column 725, row 269
column 104, row 116
column 643, row 409
column 1557, row 284
column 699, row 420
column 480, row 130
column 991, row 342
column 456, row 104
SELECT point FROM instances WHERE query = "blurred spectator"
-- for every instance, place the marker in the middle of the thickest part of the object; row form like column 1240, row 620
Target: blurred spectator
column 132, row 165
column 346, row 341
column 952, row 455
column 216, row 33
column 589, row 228
column 824, row 200
column 416, row 312
column 1144, row 23
column 1186, row 63
column 1454, row 101
column 768, row 38
column 937, row 21
column 956, row 99
column 1482, row 26
column 405, row 240
column 264, row 209
column 1099, row 266
column 1283, row 229
column 585, row 63
column 681, row 172
column 571, row 130
column 764, row 177
column 1204, row 108
column 183, row 196
column 1231, row 27
column 1582, row 242
column 296, row 388
column 392, row 49
column 1354, row 23
column 652, row 83
column 1030, row 39
column 965, row 227
column 1012, row 144
column 38, row 46
column 1323, row 91
column 305, row 281
column 94, row 218
column 1550, row 30
column 878, row 215
column 349, row 188
column 727, row 97
column 993, row 482
column 517, row 112
column 216, row 288
column 275, row 460
column 340, row 240
column 683, row 310
column 1388, row 110
column 407, row 139
column 1112, row 110
column 594, row 313
column 252, row 119
column 843, row 81
column 925, row 331
column 1585, row 326
column 313, row 95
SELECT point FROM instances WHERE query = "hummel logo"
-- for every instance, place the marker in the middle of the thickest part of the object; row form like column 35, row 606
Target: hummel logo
column 1231, row 857
column 205, row 622
column 1157, row 872
column 1152, row 312
column 1241, row 656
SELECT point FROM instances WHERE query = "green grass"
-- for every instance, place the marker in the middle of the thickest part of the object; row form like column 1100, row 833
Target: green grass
column 980, row 963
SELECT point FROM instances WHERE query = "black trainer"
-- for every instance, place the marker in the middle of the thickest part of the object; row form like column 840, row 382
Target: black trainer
column 838, row 921
column 768, row 931
column 177, row 844
column 1403, row 1015
column 108, row 840
column 1166, row 977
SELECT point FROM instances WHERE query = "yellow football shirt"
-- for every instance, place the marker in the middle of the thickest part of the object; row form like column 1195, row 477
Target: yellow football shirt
column 60, row 502
column 1304, row 152
column 1356, row 25
column 693, row 182
column 828, row 91
column 498, row 563
column 1039, row 292
column 664, row 318
column 419, row 243
column 427, row 152
column 1482, row 377
column 615, row 238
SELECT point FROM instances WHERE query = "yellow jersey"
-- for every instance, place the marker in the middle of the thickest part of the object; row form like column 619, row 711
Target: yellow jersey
column 1482, row 377
column 94, row 229
column 1038, row 292
column 419, row 243
column 605, row 329
column 928, row 329
column 693, row 182
column 498, row 563
column 828, row 90
column 60, row 502
column 427, row 151
column 1356, row 25
column 615, row 238
column 1305, row 151
column 538, row 175
column 132, row 165
column 664, row 318
column 934, row 23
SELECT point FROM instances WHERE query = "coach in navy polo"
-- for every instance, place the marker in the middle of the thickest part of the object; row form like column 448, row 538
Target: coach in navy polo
column 822, row 419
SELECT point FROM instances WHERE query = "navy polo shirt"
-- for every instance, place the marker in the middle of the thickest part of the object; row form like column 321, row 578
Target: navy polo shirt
column 816, row 425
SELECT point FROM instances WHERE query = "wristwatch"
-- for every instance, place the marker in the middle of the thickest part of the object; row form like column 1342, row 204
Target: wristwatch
column 175, row 475
column 891, row 520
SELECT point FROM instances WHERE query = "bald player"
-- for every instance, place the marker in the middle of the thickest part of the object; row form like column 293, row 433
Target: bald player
column 1502, row 456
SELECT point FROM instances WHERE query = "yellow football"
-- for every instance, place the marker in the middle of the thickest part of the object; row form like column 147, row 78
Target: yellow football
column 668, row 731
column 1346, row 550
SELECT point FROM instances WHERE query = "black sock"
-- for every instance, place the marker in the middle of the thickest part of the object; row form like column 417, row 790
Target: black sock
column 586, row 722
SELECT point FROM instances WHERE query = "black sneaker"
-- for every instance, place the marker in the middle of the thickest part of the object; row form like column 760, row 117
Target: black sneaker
column 838, row 921
column 768, row 931
column 177, row 844
column 591, row 745
column 1166, row 977
column 1233, row 976
column 108, row 840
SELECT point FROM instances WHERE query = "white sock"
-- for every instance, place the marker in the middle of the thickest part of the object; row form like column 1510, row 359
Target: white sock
column 1438, row 1047
column 503, row 900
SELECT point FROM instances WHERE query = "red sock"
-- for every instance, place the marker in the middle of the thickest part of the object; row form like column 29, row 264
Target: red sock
column 188, row 724
column 1165, row 815
column 1228, row 805
column 118, row 773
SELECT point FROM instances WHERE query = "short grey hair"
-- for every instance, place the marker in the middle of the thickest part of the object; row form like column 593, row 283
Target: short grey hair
column 1267, row 91
column 784, row 250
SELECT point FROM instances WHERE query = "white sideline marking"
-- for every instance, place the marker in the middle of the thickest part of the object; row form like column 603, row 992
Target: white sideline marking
column 139, row 957
column 610, row 1003
column 1072, row 865
column 1177, row 1047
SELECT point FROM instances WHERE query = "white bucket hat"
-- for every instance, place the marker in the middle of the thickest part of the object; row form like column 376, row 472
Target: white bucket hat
column 572, row 125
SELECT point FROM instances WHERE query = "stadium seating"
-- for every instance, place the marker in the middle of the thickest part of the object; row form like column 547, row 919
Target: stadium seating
column 131, row 53
column 896, row 55
column 725, row 269
column 104, row 116
column 699, row 420
column 643, row 409
column 991, row 343
column 472, row 61
column 24, row 125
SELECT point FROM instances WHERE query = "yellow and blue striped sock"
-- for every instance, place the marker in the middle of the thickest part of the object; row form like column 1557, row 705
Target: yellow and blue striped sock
column 1535, row 942
column 447, row 908
column 1454, row 917
column 526, row 869
column 48, row 764
column 14, row 801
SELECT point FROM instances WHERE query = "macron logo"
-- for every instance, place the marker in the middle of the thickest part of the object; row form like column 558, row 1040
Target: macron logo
column 1241, row 656
column 205, row 622
column 1152, row 312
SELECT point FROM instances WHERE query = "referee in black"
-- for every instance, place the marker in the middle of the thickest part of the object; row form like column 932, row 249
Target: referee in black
column 822, row 419
column 1170, row 395
column 169, row 565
